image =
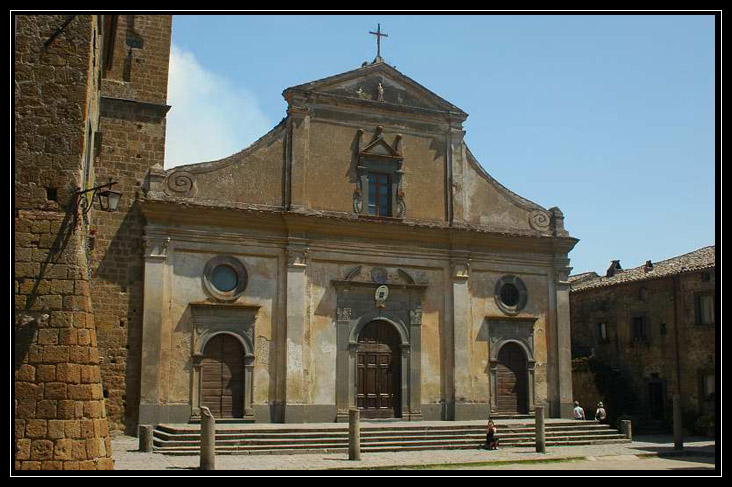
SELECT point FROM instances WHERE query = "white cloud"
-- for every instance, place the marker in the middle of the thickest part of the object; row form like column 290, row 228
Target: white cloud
column 210, row 118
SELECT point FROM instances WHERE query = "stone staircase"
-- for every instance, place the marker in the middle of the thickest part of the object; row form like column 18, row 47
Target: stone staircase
column 375, row 437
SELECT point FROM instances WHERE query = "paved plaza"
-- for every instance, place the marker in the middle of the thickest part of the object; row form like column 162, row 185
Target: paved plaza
column 631, row 456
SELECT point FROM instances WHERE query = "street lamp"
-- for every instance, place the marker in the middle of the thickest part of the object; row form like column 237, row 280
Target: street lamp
column 108, row 198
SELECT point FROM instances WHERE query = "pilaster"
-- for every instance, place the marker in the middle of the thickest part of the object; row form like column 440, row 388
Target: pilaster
column 297, row 255
column 460, row 271
column 156, row 254
column 563, row 334
column 456, row 160
column 298, row 149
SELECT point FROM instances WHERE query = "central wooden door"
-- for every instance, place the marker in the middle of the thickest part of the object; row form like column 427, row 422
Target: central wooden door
column 222, row 377
column 511, row 380
column 378, row 371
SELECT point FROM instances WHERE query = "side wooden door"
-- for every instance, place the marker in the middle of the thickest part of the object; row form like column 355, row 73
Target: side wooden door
column 512, row 380
column 222, row 377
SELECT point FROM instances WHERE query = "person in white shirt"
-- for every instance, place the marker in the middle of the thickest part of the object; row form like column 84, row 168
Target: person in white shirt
column 579, row 413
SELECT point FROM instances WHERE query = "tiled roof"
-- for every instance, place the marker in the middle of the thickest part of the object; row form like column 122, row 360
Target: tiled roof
column 582, row 277
column 697, row 260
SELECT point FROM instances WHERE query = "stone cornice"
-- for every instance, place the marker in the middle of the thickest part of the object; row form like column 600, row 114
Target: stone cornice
column 280, row 222
column 157, row 108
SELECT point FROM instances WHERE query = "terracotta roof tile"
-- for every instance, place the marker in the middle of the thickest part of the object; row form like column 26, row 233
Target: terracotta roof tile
column 700, row 259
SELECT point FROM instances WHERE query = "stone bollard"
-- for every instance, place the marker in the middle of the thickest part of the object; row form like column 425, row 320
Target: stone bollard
column 540, row 433
column 354, row 435
column 678, row 424
column 626, row 428
column 208, row 440
column 145, row 436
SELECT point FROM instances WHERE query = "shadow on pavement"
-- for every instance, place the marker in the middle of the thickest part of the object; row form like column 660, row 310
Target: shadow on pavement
column 696, row 450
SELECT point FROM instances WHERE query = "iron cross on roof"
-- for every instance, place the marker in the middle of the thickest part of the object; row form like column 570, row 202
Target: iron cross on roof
column 378, row 35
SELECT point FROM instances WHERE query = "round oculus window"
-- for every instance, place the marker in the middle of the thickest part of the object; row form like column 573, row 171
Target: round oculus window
column 224, row 278
column 510, row 294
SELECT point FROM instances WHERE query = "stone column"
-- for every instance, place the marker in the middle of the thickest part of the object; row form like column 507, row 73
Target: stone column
column 626, row 428
column 156, row 249
column 208, row 440
column 678, row 423
column 296, row 322
column 145, row 437
column 461, row 335
column 540, row 433
column 354, row 434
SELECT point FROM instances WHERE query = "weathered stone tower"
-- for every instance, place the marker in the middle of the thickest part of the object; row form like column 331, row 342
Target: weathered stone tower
column 90, row 95
column 132, row 123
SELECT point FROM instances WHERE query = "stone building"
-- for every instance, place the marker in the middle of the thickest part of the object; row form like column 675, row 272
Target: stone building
column 356, row 255
column 90, row 109
column 653, row 325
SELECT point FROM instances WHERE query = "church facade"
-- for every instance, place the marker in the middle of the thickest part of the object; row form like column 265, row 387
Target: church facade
column 357, row 255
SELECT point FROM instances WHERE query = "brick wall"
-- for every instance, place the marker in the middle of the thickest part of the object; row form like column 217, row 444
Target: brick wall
column 132, row 125
column 60, row 416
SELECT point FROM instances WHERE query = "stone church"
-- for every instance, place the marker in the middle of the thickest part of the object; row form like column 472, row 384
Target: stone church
column 357, row 255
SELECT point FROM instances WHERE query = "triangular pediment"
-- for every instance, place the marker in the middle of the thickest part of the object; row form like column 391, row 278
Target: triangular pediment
column 379, row 147
column 379, row 83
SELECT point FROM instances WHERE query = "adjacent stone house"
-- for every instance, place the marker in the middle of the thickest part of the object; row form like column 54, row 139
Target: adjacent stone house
column 357, row 255
column 655, row 326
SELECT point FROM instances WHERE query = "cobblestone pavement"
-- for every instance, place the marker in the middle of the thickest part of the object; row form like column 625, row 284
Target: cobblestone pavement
column 126, row 456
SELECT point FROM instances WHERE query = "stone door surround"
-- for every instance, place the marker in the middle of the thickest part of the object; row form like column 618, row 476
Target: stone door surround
column 356, row 308
column 211, row 320
column 504, row 330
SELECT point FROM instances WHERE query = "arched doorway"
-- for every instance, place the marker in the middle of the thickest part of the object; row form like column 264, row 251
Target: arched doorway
column 222, row 377
column 378, row 371
column 512, row 380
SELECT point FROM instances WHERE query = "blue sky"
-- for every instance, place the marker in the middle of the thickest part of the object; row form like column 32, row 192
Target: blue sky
column 609, row 117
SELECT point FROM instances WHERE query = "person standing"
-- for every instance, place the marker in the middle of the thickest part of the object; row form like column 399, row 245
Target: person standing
column 600, row 414
column 579, row 413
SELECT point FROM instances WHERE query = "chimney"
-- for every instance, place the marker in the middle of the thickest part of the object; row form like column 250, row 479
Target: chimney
column 648, row 267
column 614, row 268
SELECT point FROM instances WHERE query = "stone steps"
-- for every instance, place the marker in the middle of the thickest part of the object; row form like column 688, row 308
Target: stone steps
column 185, row 439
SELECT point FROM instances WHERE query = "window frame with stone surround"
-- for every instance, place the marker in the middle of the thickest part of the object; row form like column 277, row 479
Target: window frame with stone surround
column 640, row 333
column 699, row 309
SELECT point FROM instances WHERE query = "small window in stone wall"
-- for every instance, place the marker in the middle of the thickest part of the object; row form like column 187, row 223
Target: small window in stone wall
column 602, row 333
column 225, row 278
column 639, row 329
column 510, row 294
column 662, row 329
column 705, row 309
